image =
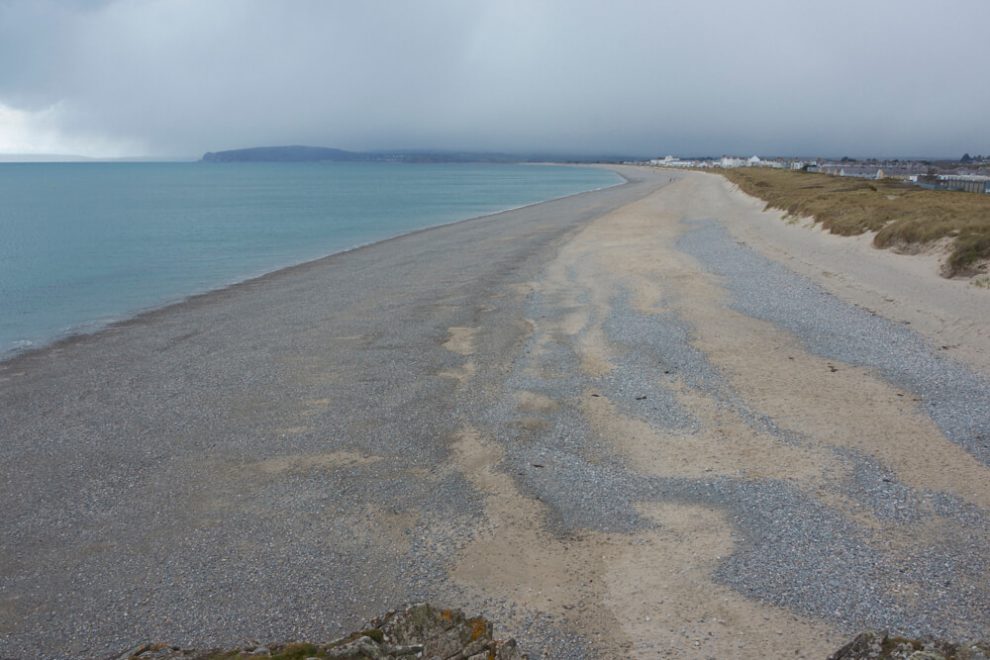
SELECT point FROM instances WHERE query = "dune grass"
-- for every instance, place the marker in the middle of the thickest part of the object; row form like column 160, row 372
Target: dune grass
column 905, row 217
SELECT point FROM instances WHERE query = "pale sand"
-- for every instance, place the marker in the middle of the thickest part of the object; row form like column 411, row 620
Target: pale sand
column 655, row 591
column 904, row 287
column 632, row 596
column 499, row 416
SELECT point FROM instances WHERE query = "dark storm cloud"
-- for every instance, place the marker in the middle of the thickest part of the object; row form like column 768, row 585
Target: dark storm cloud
column 889, row 77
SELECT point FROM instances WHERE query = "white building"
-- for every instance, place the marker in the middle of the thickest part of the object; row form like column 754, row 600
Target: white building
column 673, row 161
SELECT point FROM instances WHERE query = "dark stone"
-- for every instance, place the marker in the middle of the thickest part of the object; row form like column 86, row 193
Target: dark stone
column 419, row 630
column 872, row 645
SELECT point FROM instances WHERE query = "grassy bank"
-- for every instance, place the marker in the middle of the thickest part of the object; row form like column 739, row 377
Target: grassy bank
column 905, row 217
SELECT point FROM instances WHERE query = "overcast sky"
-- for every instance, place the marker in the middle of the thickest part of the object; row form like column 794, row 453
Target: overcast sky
column 690, row 77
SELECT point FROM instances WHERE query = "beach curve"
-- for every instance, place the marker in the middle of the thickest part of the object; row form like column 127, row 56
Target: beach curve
column 566, row 420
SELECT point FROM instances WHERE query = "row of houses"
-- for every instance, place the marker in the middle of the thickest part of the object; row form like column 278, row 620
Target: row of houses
column 918, row 174
column 973, row 183
column 915, row 172
column 725, row 161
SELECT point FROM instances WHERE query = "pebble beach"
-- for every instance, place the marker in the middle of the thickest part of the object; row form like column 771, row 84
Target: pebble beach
column 617, row 424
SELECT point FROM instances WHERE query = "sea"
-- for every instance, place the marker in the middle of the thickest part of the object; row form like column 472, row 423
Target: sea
column 85, row 244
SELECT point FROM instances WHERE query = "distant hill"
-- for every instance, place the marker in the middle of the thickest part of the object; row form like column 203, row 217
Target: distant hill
column 291, row 154
column 302, row 154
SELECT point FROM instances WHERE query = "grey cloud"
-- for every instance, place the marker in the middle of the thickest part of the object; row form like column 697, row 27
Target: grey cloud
column 889, row 77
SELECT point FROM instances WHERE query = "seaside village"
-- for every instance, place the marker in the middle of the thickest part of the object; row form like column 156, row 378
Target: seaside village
column 969, row 174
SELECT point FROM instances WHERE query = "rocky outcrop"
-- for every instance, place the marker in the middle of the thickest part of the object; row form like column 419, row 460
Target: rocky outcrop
column 418, row 631
column 425, row 632
column 880, row 646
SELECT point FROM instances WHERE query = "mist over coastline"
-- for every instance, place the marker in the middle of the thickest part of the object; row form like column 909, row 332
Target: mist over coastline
column 162, row 79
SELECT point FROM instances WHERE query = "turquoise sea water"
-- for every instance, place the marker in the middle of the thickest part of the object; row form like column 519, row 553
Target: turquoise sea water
column 84, row 244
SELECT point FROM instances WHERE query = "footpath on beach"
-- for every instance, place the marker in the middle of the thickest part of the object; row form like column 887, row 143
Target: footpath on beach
column 646, row 420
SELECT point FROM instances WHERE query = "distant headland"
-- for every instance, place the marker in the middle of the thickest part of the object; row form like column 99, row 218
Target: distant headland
column 293, row 154
column 306, row 154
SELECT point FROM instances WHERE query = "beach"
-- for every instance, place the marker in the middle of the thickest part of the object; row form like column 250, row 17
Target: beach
column 641, row 421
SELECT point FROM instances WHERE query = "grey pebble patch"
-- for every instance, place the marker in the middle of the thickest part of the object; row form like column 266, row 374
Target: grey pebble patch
column 956, row 398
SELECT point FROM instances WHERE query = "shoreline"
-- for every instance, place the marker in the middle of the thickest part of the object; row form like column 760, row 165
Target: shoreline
column 134, row 457
column 76, row 333
column 516, row 418
column 952, row 313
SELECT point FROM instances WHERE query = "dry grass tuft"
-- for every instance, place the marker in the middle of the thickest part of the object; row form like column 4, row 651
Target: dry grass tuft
column 905, row 217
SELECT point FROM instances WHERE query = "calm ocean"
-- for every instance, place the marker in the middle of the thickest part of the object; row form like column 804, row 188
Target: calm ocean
column 84, row 244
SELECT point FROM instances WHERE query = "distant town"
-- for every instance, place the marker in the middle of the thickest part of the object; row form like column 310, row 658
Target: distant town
column 969, row 173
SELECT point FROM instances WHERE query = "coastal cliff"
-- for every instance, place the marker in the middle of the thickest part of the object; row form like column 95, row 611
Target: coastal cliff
column 304, row 154
column 289, row 154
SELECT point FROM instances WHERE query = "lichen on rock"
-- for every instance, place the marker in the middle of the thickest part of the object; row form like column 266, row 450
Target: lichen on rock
column 872, row 645
column 416, row 631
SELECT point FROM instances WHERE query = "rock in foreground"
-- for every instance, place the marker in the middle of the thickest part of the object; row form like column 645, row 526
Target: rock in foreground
column 418, row 631
column 880, row 646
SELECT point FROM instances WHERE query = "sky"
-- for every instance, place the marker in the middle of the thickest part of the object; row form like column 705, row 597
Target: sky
column 176, row 78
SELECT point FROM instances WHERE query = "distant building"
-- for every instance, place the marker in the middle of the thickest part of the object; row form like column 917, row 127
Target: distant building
column 674, row 161
column 860, row 171
column 966, row 182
